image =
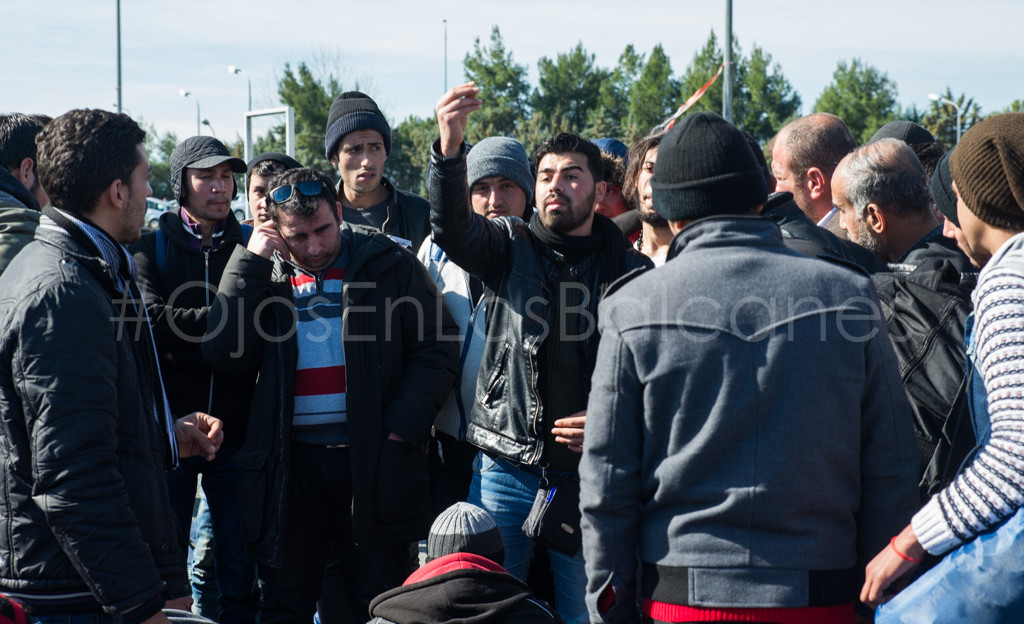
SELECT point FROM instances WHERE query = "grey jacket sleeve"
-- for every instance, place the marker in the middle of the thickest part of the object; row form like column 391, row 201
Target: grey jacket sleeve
column 610, row 480
column 888, row 455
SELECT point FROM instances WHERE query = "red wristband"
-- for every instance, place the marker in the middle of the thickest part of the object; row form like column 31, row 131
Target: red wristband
column 892, row 543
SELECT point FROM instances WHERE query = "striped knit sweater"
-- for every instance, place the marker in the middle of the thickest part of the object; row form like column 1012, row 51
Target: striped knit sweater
column 991, row 488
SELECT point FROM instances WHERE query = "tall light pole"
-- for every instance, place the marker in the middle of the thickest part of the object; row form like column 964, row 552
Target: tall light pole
column 445, row 22
column 185, row 93
column 238, row 70
column 935, row 97
column 118, row 56
column 727, row 85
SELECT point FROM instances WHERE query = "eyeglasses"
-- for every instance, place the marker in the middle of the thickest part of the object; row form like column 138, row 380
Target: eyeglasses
column 309, row 188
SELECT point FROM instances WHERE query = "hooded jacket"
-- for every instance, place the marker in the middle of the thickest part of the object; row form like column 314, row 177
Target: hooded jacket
column 461, row 587
column 178, row 299
column 401, row 356
column 19, row 217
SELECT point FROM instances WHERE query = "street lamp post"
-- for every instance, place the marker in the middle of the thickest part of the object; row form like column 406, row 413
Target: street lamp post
column 238, row 70
column 185, row 93
column 445, row 21
column 935, row 97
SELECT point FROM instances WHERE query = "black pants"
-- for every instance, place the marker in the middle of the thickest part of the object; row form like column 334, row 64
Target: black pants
column 319, row 516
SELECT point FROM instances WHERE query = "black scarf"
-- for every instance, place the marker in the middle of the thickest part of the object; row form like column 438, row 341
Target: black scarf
column 605, row 240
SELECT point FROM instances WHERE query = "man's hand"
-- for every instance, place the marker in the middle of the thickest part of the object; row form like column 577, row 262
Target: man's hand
column 181, row 604
column 198, row 434
column 266, row 240
column 453, row 111
column 569, row 431
column 888, row 567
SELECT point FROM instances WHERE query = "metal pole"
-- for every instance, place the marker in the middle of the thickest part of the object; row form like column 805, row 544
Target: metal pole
column 958, row 124
column 198, row 132
column 727, row 85
column 118, row 56
column 249, row 83
column 445, row 54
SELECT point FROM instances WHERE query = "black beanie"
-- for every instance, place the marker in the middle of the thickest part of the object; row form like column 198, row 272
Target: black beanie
column 704, row 168
column 353, row 111
column 942, row 189
column 906, row 131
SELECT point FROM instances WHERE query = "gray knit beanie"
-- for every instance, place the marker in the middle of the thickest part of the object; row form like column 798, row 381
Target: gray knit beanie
column 500, row 156
column 353, row 111
column 465, row 528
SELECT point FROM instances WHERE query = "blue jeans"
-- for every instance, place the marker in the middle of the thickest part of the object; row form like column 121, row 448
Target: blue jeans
column 507, row 492
column 236, row 574
column 203, row 571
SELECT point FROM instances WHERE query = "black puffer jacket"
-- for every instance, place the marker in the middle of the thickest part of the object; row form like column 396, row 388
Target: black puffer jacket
column 519, row 273
column 408, row 215
column 401, row 359
column 86, row 521
column 176, row 298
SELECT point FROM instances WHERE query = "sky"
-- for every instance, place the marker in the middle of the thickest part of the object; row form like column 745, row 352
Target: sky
column 62, row 54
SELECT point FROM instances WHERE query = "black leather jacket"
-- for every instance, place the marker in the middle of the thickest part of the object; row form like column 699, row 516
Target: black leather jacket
column 519, row 273
column 85, row 520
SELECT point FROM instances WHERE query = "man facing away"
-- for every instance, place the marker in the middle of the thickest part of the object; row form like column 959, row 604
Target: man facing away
column 355, row 353
column 748, row 440
column 358, row 142
column 21, row 194
column 180, row 265
column 88, row 529
column 542, row 280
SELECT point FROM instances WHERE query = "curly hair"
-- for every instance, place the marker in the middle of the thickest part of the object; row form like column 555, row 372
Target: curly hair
column 83, row 152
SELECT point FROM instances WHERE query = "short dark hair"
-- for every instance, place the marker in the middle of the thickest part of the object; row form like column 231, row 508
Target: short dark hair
column 84, row 151
column 299, row 205
column 566, row 143
column 817, row 140
column 18, row 139
column 929, row 153
column 614, row 170
column 637, row 151
column 265, row 168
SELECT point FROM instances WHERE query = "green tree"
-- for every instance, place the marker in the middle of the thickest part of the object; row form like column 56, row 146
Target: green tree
column 861, row 96
column 611, row 116
column 763, row 99
column 410, row 152
column 1016, row 106
column 766, row 100
column 568, row 88
column 653, row 95
column 158, row 150
column 504, row 90
column 940, row 118
column 311, row 98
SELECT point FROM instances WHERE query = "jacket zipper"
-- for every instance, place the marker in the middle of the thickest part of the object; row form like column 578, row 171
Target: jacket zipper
column 206, row 278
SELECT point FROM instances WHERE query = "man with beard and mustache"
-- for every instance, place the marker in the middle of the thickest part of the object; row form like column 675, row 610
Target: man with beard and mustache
column 654, row 233
column 542, row 280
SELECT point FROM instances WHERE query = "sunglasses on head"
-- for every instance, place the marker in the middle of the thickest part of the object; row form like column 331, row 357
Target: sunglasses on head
column 309, row 188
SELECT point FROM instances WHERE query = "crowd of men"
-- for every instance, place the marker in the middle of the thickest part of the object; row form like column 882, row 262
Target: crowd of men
column 669, row 382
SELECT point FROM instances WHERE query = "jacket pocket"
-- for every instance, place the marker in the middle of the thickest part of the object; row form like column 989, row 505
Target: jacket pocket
column 402, row 485
column 495, row 388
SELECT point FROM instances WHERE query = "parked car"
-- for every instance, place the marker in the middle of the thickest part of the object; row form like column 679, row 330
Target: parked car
column 240, row 207
column 155, row 208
